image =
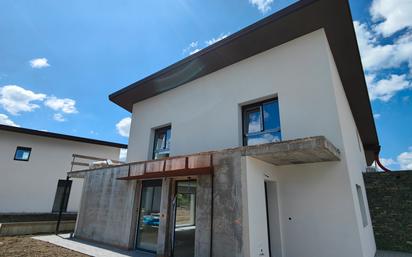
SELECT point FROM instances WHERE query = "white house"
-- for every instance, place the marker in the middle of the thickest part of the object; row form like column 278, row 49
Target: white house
column 254, row 146
column 34, row 166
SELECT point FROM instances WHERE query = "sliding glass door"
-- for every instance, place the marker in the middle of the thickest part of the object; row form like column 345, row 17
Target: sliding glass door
column 185, row 219
column 149, row 216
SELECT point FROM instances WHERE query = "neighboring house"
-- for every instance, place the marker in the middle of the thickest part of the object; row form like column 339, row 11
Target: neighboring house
column 34, row 165
column 254, row 146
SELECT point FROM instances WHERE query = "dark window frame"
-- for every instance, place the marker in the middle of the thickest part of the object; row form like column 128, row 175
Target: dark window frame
column 156, row 132
column 254, row 106
column 145, row 183
column 23, row 148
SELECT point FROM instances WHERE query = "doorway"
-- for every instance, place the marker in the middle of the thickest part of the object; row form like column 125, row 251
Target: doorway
column 149, row 216
column 273, row 221
column 184, row 228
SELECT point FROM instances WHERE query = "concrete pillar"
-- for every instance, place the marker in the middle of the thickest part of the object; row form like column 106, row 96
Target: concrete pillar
column 203, row 216
column 227, row 239
column 163, row 238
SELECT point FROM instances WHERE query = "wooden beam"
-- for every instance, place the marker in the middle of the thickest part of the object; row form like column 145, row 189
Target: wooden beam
column 173, row 173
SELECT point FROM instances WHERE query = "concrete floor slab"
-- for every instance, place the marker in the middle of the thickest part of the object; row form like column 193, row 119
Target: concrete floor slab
column 89, row 248
column 99, row 250
column 392, row 254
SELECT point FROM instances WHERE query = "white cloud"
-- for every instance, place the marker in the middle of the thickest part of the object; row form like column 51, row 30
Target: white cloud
column 192, row 48
column 262, row 5
column 15, row 99
column 405, row 160
column 39, row 63
column 195, row 51
column 5, row 120
column 385, row 89
column 65, row 105
column 374, row 56
column 123, row 127
column 214, row 40
column 391, row 15
column 377, row 115
column 195, row 47
column 377, row 56
column 59, row 117
column 387, row 162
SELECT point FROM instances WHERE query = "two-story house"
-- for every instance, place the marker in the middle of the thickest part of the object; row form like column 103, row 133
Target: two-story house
column 253, row 146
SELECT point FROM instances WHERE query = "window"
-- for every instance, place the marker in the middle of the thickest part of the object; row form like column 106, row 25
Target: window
column 61, row 196
column 362, row 205
column 161, row 145
column 149, row 218
column 261, row 123
column 22, row 153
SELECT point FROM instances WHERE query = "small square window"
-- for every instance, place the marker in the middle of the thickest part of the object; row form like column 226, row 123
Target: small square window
column 22, row 153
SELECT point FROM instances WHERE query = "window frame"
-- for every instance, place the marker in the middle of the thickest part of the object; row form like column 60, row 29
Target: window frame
column 22, row 148
column 156, row 132
column 61, row 184
column 257, row 105
column 362, row 205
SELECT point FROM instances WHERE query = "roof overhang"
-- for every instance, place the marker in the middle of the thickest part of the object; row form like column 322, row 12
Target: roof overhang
column 33, row 132
column 299, row 19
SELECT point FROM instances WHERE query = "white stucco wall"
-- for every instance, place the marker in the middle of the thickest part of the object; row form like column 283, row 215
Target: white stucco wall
column 31, row 186
column 320, row 199
column 353, row 153
column 205, row 113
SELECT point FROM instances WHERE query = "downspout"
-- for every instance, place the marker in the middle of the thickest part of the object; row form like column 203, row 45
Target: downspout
column 380, row 165
column 211, row 210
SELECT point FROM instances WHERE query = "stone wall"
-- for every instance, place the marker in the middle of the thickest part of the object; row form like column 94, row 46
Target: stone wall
column 390, row 204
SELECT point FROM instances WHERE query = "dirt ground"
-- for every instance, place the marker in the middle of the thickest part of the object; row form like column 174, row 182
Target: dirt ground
column 24, row 246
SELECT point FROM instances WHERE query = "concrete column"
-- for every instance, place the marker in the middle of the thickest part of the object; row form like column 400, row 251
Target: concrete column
column 203, row 216
column 227, row 239
column 163, row 239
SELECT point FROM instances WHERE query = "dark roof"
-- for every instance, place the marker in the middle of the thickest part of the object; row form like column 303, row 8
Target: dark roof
column 298, row 19
column 60, row 136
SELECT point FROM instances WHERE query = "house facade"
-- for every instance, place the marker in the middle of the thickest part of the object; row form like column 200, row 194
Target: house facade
column 34, row 166
column 254, row 146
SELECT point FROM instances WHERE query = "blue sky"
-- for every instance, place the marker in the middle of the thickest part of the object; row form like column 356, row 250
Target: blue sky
column 59, row 60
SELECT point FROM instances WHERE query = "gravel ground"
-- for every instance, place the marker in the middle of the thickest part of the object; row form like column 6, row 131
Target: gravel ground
column 24, row 246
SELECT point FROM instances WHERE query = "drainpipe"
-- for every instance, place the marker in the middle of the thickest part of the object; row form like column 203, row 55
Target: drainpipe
column 62, row 204
column 378, row 162
column 211, row 211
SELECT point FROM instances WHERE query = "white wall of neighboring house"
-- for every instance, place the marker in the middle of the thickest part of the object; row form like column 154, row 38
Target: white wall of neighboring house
column 205, row 114
column 30, row 186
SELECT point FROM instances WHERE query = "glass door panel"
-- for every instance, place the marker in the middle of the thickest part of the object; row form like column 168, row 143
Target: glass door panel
column 149, row 216
column 185, row 219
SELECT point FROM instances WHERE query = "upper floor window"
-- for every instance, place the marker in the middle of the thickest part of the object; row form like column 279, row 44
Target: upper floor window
column 22, row 153
column 161, row 146
column 261, row 123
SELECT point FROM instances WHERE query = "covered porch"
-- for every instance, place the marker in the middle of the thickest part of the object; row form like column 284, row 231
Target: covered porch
column 114, row 198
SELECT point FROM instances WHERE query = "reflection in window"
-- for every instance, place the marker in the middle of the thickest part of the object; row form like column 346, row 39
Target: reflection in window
column 261, row 123
column 22, row 153
column 149, row 218
column 185, row 219
column 161, row 146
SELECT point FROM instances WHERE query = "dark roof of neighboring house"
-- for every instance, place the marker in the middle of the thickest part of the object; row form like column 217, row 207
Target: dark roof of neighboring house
column 60, row 136
column 298, row 19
